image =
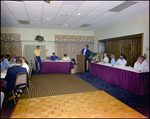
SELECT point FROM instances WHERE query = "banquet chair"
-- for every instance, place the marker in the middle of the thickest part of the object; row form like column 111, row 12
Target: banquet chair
column 21, row 82
column 29, row 77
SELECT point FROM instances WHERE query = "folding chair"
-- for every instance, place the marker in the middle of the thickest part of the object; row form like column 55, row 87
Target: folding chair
column 29, row 77
column 21, row 82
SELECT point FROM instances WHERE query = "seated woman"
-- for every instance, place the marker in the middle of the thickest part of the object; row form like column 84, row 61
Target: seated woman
column 25, row 63
column 122, row 60
column 112, row 59
column 65, row 58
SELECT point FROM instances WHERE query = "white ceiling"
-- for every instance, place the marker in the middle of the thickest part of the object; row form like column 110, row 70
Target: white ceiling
column 95, row 13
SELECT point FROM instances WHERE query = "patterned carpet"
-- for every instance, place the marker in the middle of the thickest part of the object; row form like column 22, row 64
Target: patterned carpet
column 54, row 84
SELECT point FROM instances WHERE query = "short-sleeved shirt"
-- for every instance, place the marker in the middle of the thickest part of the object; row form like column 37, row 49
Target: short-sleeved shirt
column 4, row 65
column 37, row 52
column 54, row 58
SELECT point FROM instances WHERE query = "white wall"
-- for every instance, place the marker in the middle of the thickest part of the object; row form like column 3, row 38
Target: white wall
column 28, row 35
column 133, row 26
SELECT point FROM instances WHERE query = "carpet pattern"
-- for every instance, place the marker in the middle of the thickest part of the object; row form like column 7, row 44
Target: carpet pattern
column 54, row 84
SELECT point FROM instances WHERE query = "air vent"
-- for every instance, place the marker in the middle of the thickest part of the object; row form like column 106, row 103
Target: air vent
column 23, row 22
column 85, row 25
column 123, row 6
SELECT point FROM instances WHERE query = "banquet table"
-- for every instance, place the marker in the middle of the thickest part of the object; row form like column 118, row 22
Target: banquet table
column 126, row 78
column 57, row 67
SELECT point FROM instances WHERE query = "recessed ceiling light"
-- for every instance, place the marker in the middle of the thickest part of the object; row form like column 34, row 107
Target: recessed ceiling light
column 34, row 19
column 79, row 13
column 66, row 25
column 47, row 18
column 63, row 15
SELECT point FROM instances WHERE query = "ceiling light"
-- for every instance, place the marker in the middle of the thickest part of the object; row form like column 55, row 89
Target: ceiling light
column 66, row 25
column 34, row 19
column 79, row 13
column 63, row 15
column 47, row 18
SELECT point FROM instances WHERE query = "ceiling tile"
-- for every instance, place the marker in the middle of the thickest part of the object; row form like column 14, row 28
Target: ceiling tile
column 37, row 17
column 34, row 3
column 90, row 5
column 50, row 10
column 4, row 8
column 34, row 10
column 72, row 4
column 54, row 4
column 21, row 17
column 92, row 15
column 19, row 5
column 4, row 23
column 7, row 16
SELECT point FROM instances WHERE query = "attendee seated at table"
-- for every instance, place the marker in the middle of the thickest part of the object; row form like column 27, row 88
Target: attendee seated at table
column 112, row 58
column 11, row 75
column 4, row 65
column 13, row 59
column 3, row 56
column 105, row 60
column 122, row 60
column 25, row 63
column 141, row 63
column 66, row 58
column 7, row 58
column 54, row 57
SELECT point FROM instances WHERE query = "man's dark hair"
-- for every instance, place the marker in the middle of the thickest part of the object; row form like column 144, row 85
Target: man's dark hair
column 37, row 46
column 65, row 55
column 141, row 57
column 53, row 53
column 24, row 59
column 7, row 56
column 87, row 46
column 18, row 61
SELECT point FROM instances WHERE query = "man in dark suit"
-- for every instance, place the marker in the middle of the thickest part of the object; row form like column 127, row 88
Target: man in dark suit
column 86, row 51
column 12, row 74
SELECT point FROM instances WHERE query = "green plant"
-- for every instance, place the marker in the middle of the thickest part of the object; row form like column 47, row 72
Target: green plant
column 39, row 38
column 92, row 55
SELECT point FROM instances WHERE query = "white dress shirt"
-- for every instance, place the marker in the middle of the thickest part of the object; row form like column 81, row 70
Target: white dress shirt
column 66, row 59
column 121, row 62
column 26, row 66
column 84, row 51
column 106, row 59
column 143, row 66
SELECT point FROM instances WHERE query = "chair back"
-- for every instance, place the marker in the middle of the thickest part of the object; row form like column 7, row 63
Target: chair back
column 30, row 72
column 21, row 80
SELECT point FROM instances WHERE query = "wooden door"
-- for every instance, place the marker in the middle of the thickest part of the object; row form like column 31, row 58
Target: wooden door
column 126, row 49
column 136, row 49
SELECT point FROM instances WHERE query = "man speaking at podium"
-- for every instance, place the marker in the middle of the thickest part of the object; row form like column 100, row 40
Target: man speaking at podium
column 86, row 51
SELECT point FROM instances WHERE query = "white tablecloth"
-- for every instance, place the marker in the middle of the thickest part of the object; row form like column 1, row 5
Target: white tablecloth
column 124, row 68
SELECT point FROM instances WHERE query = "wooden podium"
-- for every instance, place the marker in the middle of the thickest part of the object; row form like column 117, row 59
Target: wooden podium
column 81, row 63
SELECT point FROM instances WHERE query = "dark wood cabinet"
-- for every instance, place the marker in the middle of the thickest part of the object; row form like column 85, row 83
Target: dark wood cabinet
column 131, row 46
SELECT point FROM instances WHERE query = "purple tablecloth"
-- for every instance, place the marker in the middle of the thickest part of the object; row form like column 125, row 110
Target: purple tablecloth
column 57, row 67
column 137, row 83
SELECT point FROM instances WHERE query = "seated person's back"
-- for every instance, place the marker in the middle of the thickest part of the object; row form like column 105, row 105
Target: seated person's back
column 12, row 73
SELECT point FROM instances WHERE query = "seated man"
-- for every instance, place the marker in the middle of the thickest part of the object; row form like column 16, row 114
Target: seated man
column 4, row 65
column 12, row 60
column 122, row 60
column 11, row 75
column 7, row 57
column 141, row 63
column 54, row 57
column 105, row 60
